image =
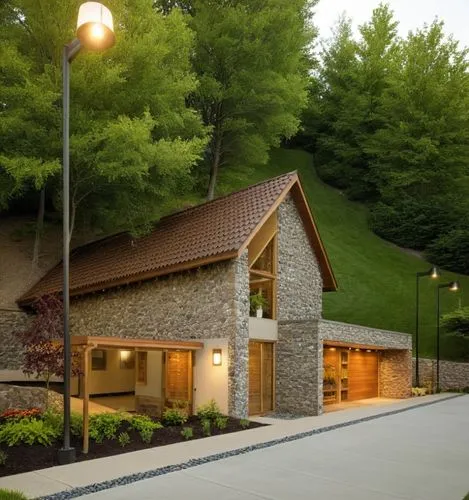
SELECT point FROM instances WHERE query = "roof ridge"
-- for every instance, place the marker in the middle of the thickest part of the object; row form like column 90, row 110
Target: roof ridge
column 247, row 188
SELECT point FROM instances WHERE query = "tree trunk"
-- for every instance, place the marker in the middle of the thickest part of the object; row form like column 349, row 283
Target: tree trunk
column 39, row 228
column 215, row 165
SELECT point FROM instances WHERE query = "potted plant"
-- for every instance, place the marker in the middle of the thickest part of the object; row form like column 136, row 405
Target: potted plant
column 258, row 302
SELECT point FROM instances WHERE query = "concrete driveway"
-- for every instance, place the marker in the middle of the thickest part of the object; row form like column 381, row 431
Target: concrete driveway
column 419, row 454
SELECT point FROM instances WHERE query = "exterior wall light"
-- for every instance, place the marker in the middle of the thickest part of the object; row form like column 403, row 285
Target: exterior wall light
column 125, row 355
column 95, row 28
column 216, row 357
column 331, row 348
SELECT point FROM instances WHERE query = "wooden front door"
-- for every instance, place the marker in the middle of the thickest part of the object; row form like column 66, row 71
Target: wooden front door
column 178, row 377
column 363, row 375
column 261, row 377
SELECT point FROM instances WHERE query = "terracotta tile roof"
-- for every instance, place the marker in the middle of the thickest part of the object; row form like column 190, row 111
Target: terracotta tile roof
column 210, row 232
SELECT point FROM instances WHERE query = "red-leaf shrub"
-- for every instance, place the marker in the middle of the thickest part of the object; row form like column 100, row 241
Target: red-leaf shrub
column 43, row 349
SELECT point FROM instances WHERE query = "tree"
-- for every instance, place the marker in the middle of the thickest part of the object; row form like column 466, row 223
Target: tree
column 420, row 155
column 353, row 76
column 251, row 61
column 41, row 342
column 457, row 321
column 134, row 141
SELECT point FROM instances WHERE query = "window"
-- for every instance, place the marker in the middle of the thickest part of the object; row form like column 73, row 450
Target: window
column 98, row 360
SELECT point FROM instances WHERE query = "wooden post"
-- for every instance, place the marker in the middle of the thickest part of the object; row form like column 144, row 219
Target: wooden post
column 86, row 397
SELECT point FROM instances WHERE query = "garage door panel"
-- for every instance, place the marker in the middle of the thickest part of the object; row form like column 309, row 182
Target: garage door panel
column 363, row 375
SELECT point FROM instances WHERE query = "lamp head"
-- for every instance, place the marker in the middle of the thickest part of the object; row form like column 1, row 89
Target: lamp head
column 454, row 286
column 95, row 28
column 434, row 272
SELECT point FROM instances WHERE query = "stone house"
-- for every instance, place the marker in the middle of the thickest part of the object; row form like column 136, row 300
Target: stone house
column 168, row 316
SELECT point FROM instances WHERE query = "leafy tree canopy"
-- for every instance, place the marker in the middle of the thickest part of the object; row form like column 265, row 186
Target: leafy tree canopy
column 134, row 141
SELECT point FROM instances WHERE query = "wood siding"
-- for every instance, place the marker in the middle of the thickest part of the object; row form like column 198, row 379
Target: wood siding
column 363, row 375
column 261, row 377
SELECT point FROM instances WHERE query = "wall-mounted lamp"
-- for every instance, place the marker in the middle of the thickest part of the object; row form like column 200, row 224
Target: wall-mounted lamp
column 125, row 355
column 216, row 357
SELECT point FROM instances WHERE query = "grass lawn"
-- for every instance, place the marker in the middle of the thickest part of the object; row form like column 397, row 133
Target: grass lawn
column 376, row 279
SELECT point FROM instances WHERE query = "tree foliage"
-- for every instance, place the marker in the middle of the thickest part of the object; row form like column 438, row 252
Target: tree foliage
column 41, row 341
column 457, row 321
column 388, row 121
column 134, row 140
column 251, row 61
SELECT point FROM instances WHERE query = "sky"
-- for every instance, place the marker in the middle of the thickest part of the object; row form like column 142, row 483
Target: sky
column 409, row 13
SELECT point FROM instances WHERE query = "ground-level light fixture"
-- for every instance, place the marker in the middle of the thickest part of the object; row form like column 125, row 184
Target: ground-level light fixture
column 216, row 357
column 452, row 286
column 94, row 31
column 433, row 273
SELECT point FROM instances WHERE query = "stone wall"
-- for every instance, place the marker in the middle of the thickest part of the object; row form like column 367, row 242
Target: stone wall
column 452, row 375
column 10, row 350
column 211, row 302
column 395, row 376
column 299, row 276
column 357, row 334
column 298, row 351
column 299, row 381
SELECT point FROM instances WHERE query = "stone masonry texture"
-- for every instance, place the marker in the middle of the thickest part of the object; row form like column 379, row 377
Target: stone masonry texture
column 211, row 302
column 298, row 351
column 11, row 321
column 395, row 376
column 452, row 375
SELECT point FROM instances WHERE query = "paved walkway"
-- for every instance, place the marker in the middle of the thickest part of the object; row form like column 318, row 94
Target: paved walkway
column 436, row 435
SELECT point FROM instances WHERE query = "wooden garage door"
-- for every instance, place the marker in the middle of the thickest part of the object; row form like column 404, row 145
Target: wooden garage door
column 363, row 375
column 261, row 377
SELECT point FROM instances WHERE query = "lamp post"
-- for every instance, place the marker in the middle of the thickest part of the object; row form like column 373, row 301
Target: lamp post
column 95, row 32
column 453, row 287
column 434, row 273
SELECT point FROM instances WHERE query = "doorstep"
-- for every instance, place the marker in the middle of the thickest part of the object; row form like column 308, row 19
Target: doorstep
column 44, row 482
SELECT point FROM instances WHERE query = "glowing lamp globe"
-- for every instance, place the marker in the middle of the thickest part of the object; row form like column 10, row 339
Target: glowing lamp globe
column 95, row 28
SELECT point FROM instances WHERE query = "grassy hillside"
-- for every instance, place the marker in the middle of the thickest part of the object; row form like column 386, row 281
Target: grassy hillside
column 376, row 279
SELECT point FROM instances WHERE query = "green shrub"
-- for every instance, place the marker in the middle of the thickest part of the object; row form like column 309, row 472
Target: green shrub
column 76, row 424
column 54, row 420
column 209, row 411
column 419, row 391
column 187, row 433
column 244, row 423
column 221, row 422
column 11, row 495
column 124, row 439
column 206, row 427
column 145, row 426
column 174, row 416
column 28, row 431
column 105, row 426
column 3, row 457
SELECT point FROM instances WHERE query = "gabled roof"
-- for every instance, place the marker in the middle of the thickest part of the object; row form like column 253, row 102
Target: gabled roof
column 211, row 232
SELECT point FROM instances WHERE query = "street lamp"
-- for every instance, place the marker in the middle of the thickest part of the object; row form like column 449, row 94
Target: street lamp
column 95, row 32
column 434, row 273
column 453, row 286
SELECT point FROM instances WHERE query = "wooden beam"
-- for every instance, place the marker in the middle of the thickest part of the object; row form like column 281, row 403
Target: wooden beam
column 86, row 397
column 353, row 345
column 146, row 344
column 263, row 274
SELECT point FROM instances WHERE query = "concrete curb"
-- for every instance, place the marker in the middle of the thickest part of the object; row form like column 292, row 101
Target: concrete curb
column 132, row 478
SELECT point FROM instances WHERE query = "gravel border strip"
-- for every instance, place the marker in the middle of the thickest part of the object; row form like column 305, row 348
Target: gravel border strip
column 161, row 471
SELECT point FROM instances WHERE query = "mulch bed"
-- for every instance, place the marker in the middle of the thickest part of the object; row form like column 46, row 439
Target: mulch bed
column 26, row 458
